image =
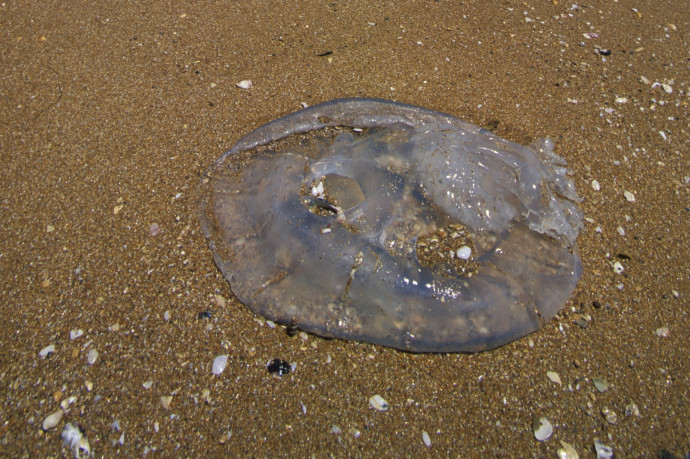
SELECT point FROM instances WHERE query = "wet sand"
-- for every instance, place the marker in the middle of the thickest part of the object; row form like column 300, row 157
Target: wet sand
column 110, row 114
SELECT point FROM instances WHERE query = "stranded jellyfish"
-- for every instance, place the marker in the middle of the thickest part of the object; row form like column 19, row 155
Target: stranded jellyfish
column 392, row 224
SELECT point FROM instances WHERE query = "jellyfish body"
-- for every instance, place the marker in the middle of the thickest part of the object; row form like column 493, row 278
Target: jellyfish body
column 348, row 218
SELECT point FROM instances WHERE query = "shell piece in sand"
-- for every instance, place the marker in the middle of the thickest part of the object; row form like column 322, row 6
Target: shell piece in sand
column 346, row 219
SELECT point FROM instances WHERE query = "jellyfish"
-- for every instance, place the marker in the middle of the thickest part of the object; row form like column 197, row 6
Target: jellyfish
column 391, row 224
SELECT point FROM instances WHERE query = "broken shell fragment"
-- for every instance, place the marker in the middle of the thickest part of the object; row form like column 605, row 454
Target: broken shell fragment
column 380, row 177
column 378, row 403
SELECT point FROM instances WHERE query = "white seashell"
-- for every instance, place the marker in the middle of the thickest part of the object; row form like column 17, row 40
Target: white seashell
column 219, row 364
column 464, row 253
column 52, row 420
column 165, row 401
column 92, row 356
column 244, row 84
column 554, row 377
column 46, row 351
column 542, row 429
column 73, row 437
column 377, row 402
column 74, row 334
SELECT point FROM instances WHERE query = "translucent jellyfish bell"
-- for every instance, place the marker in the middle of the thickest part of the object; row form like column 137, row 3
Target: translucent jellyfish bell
column 375, row 221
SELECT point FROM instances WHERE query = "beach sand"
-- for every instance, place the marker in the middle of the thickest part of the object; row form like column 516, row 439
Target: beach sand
column 109, row 115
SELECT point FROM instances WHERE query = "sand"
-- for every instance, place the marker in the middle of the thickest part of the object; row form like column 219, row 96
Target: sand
column 110, row 113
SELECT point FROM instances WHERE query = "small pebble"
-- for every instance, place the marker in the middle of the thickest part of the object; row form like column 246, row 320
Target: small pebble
column 542, row 429
column 603, row 451
column 378, row 403
column 92, row 356
column 618, row 267
column 667, row 88
column 52, row 420
column 154, row 229
column 595, row 185
column 244, row 84
column 621, row 231
column 46, row 351
column 50, row 229
column 148, row 384
column 219, row 364
column 89, row 385
column 601, row 384
column 621, row 100
column 426, row 439
column 629, row 196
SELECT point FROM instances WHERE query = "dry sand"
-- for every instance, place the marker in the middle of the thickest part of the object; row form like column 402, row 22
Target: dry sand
column 111, row 111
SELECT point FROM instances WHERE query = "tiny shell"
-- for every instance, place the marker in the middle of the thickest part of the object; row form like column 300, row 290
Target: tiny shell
column 567, row 451
column 52, row 420
column 464, row 253
column 244, row 84
column 73, row 437
column 74, row 334
column 603, row 451
column 92, row 356
column 165, row 401
column 377, row 402
column 554, row 377
column 601, row 384
column 426, row 439
column 219, row 364
column 629, row 196
column 542, row 429
column 46, row 351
